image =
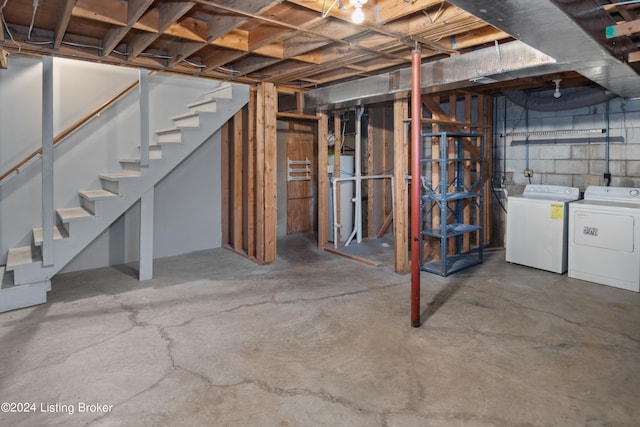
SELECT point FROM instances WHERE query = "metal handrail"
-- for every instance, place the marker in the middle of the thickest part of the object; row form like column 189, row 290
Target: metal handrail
column 74, row 127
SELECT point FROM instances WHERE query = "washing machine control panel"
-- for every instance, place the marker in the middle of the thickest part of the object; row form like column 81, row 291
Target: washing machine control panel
column 559, row 192
column 612, row 194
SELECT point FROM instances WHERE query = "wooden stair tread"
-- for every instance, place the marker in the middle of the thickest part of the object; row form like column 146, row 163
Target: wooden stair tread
column 185, row 116
column 37, row 235
column 202, row 102
column 130, row 160
column 119, row 175
column 167, row 130
column 96, row 194
column 67, row 214
column 23, row 255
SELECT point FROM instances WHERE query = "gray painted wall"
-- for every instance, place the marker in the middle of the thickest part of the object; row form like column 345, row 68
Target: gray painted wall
column 187, row 201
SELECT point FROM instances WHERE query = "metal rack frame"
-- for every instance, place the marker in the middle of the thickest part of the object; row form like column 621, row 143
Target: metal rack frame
column 448, row 197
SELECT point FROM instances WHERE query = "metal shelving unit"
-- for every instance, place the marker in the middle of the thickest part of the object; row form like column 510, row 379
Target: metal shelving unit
column 452, row 181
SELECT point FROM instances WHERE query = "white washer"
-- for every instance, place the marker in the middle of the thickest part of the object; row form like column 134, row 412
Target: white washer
column 537, row 227
column 604, row 237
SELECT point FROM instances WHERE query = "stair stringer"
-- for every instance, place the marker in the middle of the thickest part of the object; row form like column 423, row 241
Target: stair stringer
column 83, row 231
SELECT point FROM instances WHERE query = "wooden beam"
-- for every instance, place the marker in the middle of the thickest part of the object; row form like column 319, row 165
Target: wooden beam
column 434, row 107
column 260, row 172
column 266, row 173
column 251, row 172
column 3, row 59
column 270, row 171
column 634, row 56
column 400, row 172
column 370, row 198
column 62, row 24
column 323, row 180
column 114, row 36
column 238, row 174
column 623, row 29
column 112, row 12
column 385, row 225
column 298, row 116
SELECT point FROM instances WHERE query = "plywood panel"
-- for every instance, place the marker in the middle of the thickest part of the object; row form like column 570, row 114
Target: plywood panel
column 301, row 146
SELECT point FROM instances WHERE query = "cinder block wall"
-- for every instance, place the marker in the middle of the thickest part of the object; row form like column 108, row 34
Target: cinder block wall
column 564, row 156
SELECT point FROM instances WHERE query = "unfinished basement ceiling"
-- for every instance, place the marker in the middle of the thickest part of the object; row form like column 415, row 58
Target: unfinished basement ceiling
column 307, row 44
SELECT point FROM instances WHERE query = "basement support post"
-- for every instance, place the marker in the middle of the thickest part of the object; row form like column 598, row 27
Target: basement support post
column 47, row 162
column 323, row 180
column 146, row 235
column 416, row 130
column 143, row 79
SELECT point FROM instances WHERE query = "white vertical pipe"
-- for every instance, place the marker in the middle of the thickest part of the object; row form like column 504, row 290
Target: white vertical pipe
column 143, row 79
column 47, row 161
column 358, row 167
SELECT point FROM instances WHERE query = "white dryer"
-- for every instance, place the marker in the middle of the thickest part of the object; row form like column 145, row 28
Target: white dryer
column 604, row 237
column 537, row 226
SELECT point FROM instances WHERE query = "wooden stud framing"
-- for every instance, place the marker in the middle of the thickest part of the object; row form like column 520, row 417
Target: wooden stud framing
column 400, row 171
column 251, row 178
column 266, row 182
column 238, row 175
column 370, row 184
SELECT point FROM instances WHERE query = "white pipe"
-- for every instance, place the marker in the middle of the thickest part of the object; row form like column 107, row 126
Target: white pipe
column 336, row 226
column 358, row 167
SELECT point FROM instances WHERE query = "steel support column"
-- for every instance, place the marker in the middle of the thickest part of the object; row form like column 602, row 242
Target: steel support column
column 416, row 130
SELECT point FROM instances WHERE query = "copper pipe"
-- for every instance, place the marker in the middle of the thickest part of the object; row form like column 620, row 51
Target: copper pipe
column 416, row 130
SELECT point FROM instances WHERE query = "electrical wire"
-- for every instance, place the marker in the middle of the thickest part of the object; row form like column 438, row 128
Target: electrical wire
column 437, row 14
column 622, row 3
column 193, row 64
column 495, row 193
column 228, row 70
column 33, row 18
column 4, row 25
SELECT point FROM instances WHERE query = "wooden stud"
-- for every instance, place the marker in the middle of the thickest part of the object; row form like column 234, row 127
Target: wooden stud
column 466, row 213
column 260, row 145
column 3, row 59
column 237, row 181
column 270, row 170
column 370, row 183
column 251, row 168
column 385, row 163
column 400, row 171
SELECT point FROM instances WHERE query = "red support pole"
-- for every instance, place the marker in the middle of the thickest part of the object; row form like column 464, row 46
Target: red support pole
column 416, row 130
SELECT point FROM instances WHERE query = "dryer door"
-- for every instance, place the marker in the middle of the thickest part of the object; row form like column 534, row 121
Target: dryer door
column 604, row 230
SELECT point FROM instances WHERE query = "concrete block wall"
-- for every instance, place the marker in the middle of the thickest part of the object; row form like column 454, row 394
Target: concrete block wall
column 563, row 156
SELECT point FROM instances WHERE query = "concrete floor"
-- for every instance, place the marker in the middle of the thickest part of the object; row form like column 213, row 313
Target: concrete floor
column 318, row 340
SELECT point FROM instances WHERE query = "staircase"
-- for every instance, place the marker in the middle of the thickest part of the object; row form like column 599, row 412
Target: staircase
column 78, row 226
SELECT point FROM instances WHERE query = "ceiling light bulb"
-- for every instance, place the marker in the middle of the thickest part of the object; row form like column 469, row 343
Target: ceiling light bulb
column 358, row 15
column 557, row 93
